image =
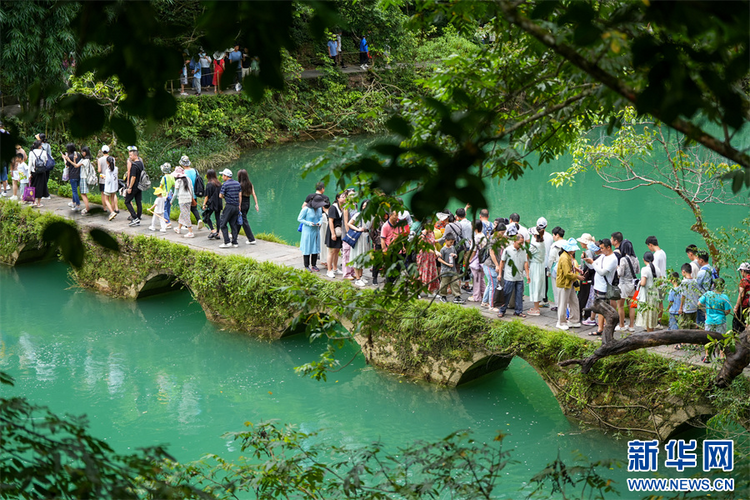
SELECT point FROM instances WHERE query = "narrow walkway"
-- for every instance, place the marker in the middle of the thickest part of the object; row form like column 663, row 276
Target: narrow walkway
column 288, row 255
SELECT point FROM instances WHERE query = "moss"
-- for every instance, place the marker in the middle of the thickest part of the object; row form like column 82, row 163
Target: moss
column 21, row 225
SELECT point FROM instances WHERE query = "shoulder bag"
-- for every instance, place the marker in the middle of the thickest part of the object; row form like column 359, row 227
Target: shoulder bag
column 630, row 265
column 613, row 291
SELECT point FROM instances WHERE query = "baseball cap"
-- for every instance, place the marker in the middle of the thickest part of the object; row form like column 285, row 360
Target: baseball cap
column 226, row 172
column 541, row 222
column 745, row 266
column 105, row 149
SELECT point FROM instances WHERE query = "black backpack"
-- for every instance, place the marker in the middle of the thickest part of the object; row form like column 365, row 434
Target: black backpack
column 200, row 186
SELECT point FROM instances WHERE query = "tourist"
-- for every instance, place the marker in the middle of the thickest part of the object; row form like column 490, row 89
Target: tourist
column 132, row 192
column 449, row 271
column 349, row 209
column 512, row 274
column 38, row 166
column 158, row 211
column 246, row 62
column 558, row 241
column 464, row 246
column 479, row 245
column 323, row 229
column 332, row 49
column 195, row 73
column 427, row 262
column 184, row 76
column 364, row 53
column 627, row 271
column 101, row 167
column 71, row 161
column 192, row 174
column 341, row 54
column 605, row 267
column 14, row 176
column 212, row 203
column 183, row 193
column 230, row 193
column 675, row 300
column 235, row 57
column 648, row 295
column 3, row 164
column 167, row 185
column 484, row 216
column 24, row 174
column 50, row 163
column 704, row 279
column 205, row 62
column 541, row 226
column 742, row 307
column 87, row 173
column 491, row 267
column 376, row 230
column 111, row 185
column 363, row 245
column 20, row 150
column 245, row 193
column 334, row 234
column 585, row 290
column 692, row 253
column 537, row 274
column 717, row 308
column 218, row 71
column 660, row 263
column 567, row 274
column 690, row 294
column 310, row 218
column 392, row 229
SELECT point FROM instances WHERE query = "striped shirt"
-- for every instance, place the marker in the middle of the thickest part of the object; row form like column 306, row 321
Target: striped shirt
column 231, row 191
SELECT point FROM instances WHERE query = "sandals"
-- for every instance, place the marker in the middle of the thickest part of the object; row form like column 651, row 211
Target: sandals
column 520, row 315
column 534, row 312
column 500, row 315
column 596, row 334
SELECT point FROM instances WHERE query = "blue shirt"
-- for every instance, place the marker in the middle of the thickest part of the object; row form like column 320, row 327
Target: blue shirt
column 191, row 174
column 333, row 49
column 716, row 304
column 235, row 56
column 674, row 299
column 705, row 278
column 231, row 191
column 363, row 45
column 195, row 66
column 689, row 289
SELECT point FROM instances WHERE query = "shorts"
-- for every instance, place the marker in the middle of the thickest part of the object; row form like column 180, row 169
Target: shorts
column 722, row 328
column 183, row 80
column 16, row 175
column 83, row 187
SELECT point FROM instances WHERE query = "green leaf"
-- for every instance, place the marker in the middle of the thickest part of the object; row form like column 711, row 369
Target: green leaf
column 104, row 239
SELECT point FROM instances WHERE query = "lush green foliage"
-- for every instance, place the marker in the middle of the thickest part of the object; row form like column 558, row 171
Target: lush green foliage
column 22, row 225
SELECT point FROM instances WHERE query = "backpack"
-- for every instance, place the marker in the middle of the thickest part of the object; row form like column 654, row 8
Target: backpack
column 89, row 173
column 39, row 165
column 144, row 183
column 200, row 186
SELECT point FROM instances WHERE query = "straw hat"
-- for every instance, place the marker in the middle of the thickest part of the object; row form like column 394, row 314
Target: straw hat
column 586, row 238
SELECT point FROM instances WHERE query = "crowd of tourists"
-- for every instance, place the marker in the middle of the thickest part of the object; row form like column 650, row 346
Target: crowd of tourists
column 204, row 72
column 227, row 202
column 493, row 260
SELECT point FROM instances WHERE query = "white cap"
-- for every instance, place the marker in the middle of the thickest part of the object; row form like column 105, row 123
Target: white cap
column 105, row 149
column 226, row 172
column 541, row 222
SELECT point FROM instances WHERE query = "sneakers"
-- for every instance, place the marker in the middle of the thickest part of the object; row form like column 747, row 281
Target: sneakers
column 162, row 230
column 14, row 198
column 200, row 224
column 84, row 211
column 574, row 325
column 135, row 222
column 191, row 235
column 617, row 328
column 248, row 242
column 562, row 327
column 177, row 230
column 331, row 274
column 46, row 198
column 588, row 322
column 459, row 300
column 151, row 228
column 442, row 298
column 631, row 329
column 71, row 204
column 225, row 245
column 339, row 271
column 235, row 245
column 183, row 93
column 315, row 269
column 360, row 283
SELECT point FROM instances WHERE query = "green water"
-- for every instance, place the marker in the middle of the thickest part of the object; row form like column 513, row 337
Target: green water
column 585, row 206
column 156, row 371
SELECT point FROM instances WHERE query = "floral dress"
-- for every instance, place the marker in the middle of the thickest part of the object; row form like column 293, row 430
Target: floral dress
column 427, row 264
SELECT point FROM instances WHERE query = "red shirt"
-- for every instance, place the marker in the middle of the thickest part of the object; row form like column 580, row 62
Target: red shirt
column 390, row 233
column 745, row 283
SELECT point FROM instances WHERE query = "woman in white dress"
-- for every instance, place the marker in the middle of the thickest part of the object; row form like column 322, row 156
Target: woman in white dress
column 363, row 243
column 648, row 296
column 537, row 273
column 323, row 257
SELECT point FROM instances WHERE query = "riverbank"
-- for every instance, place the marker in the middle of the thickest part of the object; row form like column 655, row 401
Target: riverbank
column 256, row 289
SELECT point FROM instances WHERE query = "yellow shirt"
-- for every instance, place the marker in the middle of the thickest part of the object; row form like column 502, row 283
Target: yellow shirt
column 565, row 273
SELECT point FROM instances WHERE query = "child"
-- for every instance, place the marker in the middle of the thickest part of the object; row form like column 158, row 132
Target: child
column 23, row 174
column 14, row 175
column 717, row 308
column 448, row 271
column 111, row 185
column 675, row 300
column 690, row 295
column 167, row 184
column 158, row 210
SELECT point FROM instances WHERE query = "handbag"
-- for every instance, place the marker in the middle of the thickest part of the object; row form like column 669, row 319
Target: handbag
column 613, row 291
column 351, row 237
column 29, row 193
column 299, row 228
column 66, row 174
column 634, row 300
column 337, row 230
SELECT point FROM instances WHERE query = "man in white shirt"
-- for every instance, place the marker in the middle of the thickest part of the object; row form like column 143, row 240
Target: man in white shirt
column 541, row 227
column 605, row 267
column 692, row 253
column 660, row 263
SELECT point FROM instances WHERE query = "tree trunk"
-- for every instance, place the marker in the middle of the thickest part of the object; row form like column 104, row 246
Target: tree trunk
column 611, row 319
column 732, row 367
